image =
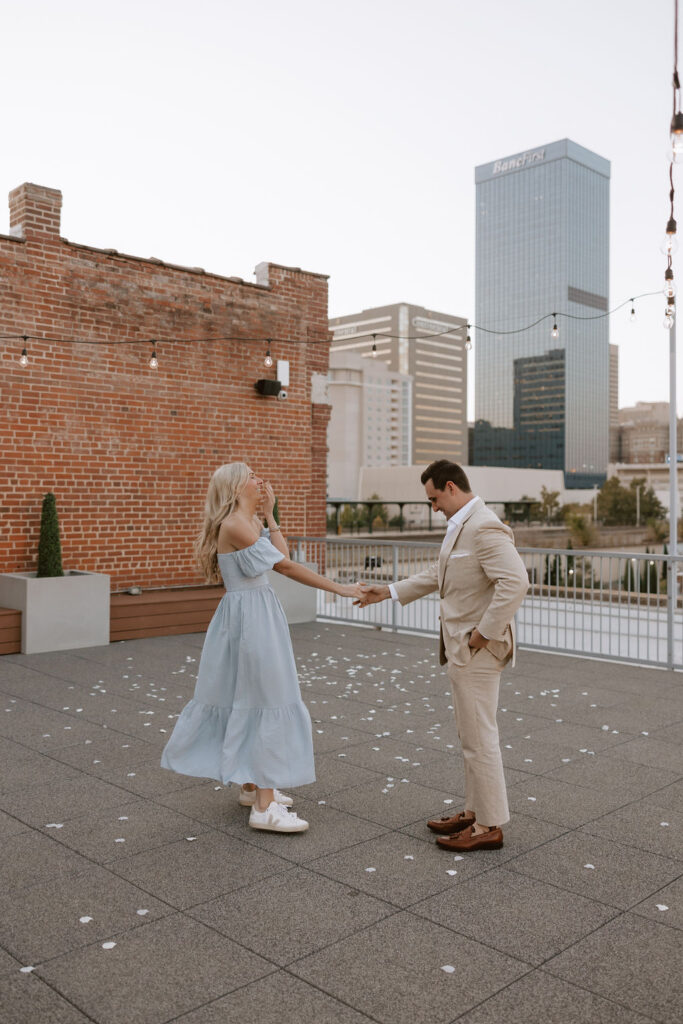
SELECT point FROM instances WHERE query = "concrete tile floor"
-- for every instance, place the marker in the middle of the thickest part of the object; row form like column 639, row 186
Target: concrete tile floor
column 134, row 895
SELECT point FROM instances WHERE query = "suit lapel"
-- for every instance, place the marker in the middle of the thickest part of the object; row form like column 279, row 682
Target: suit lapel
column 447, row 548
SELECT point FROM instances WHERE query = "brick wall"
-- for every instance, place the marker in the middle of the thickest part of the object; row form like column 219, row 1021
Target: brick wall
column 129, row 450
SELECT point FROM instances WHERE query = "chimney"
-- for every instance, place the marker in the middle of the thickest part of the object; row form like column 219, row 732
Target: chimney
column 34, row 211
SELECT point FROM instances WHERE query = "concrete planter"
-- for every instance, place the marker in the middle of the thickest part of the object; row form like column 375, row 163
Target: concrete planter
column 298, row 601
column 58, row 613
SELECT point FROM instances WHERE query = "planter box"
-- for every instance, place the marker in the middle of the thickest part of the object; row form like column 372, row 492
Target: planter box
column 298, row 601
column 58, row 613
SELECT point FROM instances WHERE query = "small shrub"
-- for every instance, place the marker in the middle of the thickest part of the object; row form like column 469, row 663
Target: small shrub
column 49, row 546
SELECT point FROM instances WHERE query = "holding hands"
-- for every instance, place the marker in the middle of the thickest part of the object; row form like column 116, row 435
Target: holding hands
column 371, row 594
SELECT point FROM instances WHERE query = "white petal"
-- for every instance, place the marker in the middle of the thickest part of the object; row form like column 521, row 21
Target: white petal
column 448, row 968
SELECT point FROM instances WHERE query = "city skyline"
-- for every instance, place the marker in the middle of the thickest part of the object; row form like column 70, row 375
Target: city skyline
column 230, row 136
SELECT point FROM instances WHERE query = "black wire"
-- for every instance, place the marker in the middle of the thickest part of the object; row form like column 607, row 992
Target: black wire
column 290, row 341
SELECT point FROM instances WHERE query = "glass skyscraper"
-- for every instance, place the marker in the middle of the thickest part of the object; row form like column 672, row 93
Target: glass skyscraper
column 543, row 401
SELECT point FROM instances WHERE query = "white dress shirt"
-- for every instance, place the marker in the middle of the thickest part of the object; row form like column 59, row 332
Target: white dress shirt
column 451, row 524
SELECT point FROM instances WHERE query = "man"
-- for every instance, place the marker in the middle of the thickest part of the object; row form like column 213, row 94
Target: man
column 482, row 581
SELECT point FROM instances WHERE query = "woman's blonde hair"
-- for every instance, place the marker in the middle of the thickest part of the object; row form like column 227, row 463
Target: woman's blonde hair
column 226, row 485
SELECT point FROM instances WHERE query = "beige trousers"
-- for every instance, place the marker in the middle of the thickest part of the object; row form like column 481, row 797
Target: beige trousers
column 475, row 702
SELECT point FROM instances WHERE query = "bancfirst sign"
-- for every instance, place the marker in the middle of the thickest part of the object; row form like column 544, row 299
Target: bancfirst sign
column 515, row 162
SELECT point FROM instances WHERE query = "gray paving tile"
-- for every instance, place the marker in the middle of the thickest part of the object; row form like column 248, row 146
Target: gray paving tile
column 393, row 971
column 31, row 858
column 332, row 775
column 150, row 779
column 561, row 803
column 652, row 824
column 45, row 921
column 651, row 751
column 329, row 736
column 105, row 750
column 154, row 973
column 33, row 774
column 194, row 871
column 571, row 734
column 276, row 999
column 388, row 756
column 630, row 959
column 665, row 905
column 124, row 830
column 520, row 916
column 389, row 801
column 10, row 826
column 61, row 799
column 207, row 802
column 538, row 998
column 400, row 869
column 299, row 912
column 609, row 774
column 8, row 964
column 42, row 728
column 619, row 876
column 26, row 998
column 329, row 831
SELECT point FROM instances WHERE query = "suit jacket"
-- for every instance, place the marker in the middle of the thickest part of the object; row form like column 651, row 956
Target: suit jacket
column 481, row 581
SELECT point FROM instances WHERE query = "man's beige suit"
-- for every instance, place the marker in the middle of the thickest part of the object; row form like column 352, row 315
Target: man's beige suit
column 481, row 581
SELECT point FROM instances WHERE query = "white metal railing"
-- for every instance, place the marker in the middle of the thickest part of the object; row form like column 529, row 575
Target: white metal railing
column 616, row 605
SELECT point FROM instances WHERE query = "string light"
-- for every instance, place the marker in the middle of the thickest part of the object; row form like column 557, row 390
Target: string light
column 268, row 361
column 154, row 362
column 23, row 358
column 670, row 243
column 669, row 292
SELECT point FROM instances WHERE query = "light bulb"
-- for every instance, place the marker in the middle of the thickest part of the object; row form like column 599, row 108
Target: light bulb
column 468, row 344
column 633, row 314
column 374, row 347
column 23, row 358
column 670, row 307
column 555, row 333
column 268, row 361
column 668, row 321
column 677, row 132
column 669, row 289
column 154, row 362
column 669, row 245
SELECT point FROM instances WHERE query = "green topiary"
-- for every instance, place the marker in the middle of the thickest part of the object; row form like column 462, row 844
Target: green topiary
column 49, row 547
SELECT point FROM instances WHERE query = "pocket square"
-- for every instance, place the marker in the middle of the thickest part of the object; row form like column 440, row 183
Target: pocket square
column 460, row 554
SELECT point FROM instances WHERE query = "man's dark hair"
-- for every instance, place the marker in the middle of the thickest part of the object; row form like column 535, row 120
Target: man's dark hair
column 441, row 471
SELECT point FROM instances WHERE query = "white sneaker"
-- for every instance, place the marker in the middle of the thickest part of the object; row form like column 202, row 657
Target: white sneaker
column 247, row 798
column 276, row 818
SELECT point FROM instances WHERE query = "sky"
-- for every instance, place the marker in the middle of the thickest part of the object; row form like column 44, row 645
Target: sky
column 341, row 136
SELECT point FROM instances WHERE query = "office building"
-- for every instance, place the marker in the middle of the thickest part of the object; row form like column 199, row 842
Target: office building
column 614, row 403
column 430, row 348
column 370, row 420
column 542, row 395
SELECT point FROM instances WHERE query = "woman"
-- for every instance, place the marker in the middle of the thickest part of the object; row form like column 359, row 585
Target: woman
column 247, row 722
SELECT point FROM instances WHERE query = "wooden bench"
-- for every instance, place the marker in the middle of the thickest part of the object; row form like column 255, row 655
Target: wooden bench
column 163, row 612
column 10, row 631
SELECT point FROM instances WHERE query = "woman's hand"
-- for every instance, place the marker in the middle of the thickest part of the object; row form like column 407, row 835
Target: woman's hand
column 350, row 590
column 268, row 498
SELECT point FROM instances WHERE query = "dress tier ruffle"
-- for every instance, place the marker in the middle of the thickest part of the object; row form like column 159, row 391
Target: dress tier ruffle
column 247, row 721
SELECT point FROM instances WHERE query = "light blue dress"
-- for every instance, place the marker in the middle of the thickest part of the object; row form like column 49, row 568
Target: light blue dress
column 247, row 721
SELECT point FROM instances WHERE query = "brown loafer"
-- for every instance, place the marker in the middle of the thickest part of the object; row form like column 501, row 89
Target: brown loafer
column 466, row 841
column 449, row 826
